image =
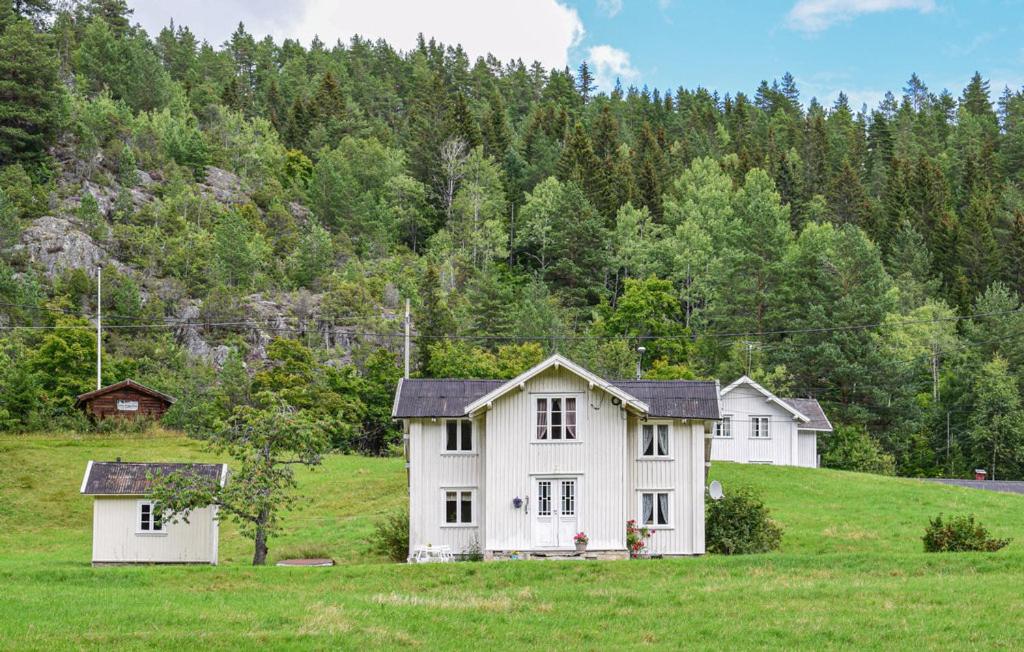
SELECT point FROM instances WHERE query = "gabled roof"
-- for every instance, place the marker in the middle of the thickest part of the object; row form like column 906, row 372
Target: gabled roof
column 771, row 398
column 449, row 397
column 136, row 478
column 557, row 361
column 811, row 407
column 128, row 383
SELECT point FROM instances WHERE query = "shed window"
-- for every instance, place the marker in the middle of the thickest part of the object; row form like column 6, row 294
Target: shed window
column 723, row 429
column 149, row 520
column 458, row 436
column 654, row 440
column 556, row 418
column 458, row 507
column 759, row 428
column 654, row 509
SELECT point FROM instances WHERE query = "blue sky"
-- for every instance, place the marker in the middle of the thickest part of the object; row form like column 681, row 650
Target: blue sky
column 863, row 47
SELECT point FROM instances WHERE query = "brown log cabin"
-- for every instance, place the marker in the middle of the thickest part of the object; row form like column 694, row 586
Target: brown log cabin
column 126, row 399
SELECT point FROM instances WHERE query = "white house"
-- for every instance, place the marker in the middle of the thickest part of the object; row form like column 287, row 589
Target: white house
column 523, row 465
column 127, row 530
column 758, row 427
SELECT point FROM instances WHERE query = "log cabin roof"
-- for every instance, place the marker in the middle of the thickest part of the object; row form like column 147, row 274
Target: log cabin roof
column 136, row 478
column 124, row 384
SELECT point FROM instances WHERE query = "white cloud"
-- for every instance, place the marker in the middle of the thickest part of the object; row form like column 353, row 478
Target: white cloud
column 818, row 15
column 610, row 8
column 542, row 30
column 608, row 64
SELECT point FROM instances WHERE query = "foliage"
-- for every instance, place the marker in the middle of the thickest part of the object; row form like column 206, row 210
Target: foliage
column 960, row 534
column 740, row 524
column 391, row 536
column 851, row 448
column 266, row 442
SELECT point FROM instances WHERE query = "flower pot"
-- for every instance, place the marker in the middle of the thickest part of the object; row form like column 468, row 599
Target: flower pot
column 581, row 546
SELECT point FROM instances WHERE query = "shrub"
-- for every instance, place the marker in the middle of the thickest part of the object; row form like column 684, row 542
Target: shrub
column 852, row 448
column 472, row 552
column 391, row 538
column 959, row 534
column 636, row 538
column 739, row 524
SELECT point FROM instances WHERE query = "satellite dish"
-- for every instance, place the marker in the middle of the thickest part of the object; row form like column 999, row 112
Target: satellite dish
column 715, row 490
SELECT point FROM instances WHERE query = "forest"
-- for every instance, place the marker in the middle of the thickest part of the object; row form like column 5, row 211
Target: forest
column 262, row 210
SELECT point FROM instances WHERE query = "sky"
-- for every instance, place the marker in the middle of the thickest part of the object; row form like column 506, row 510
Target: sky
column 860, row 47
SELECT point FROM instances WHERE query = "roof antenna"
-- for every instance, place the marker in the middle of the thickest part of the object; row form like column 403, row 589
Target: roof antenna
column 640, row 361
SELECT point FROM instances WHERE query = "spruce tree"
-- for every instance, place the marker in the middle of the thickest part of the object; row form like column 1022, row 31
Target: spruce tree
column 30, row 110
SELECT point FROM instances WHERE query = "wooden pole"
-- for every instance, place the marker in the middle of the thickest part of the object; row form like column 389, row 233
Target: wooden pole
column 99, row 327
column 408, row 327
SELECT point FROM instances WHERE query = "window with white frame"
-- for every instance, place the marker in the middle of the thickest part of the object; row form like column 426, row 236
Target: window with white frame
column 759, row 428
column 654, row 440
column 556, row 418
column 723, row 429
column 458, row 506
column 149, row 521
column 655, row 508
column 458, row 436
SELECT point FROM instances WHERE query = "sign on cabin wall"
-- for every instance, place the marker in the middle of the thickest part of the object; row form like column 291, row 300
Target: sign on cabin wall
column 127, row 406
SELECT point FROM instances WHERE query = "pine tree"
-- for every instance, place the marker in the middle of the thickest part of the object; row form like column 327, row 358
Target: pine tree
column 977, row 249
column 848, row 201
column 976, row 99
column 30, row 110
column 115, row 13
column 648, row 167
column 463, row 123
column 585, row 82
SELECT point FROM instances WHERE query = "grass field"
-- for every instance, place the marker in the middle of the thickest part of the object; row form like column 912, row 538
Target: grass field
column 850, row 573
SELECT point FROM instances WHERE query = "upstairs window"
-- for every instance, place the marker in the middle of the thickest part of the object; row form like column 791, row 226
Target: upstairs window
column 723, row 429
column 556, row 418
column 759, row 428
column 149, row 520
column 654, row 440
column 458, row 436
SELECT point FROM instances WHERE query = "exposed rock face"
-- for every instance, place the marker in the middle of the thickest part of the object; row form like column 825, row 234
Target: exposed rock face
column 224, row 186
column 57, row 244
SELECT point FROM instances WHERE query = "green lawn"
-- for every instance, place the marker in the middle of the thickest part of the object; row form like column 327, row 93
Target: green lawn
column 850, row 574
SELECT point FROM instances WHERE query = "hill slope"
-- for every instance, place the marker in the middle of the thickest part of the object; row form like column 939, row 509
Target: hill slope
column 880, row 594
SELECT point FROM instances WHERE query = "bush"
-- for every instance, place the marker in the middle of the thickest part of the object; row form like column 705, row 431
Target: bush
column 852, row 448
column 391, row 538
column 739, row 524
column 959, row 534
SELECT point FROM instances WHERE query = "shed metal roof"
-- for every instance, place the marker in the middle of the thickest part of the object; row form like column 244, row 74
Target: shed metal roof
column 448, row 397
column 136, row 478
column 810, row 408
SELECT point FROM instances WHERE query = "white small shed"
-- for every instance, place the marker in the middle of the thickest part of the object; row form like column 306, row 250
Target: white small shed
column 127, row 530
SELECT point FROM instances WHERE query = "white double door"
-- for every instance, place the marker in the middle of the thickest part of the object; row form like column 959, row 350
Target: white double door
column 556, row 512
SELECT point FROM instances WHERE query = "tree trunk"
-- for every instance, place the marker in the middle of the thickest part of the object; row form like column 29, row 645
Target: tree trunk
column 259, row 558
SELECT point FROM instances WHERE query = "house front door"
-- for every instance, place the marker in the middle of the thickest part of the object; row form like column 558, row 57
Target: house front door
column 556, row 514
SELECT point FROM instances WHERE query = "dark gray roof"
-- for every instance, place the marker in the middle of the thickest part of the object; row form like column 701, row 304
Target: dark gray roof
column 690, row 399
column 811, row 409
column 429, row 397
column 439, row 397
column 130, row 478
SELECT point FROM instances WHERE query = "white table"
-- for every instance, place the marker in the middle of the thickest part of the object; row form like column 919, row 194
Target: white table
column 431, row 554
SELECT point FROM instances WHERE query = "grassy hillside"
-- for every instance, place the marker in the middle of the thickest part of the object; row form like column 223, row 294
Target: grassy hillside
column 850, row 574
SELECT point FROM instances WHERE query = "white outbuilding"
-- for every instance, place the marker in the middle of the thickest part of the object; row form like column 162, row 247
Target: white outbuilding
column 126, row 529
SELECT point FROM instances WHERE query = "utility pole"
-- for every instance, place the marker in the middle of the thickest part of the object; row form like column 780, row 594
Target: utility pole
column 935, row 374
column 99, row 327
column 408, row 328
column 949, row 442
column 640, row 361
column 750, row 349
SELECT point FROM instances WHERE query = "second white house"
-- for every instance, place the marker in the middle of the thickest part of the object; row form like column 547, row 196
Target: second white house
column 758, row 427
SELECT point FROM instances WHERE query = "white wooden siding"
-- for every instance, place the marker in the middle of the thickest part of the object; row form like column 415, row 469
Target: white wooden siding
column 781, row 447
column 431, row 472
column 597, row 457
column 682, row 474
column 115, row 538
column 808, row 455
